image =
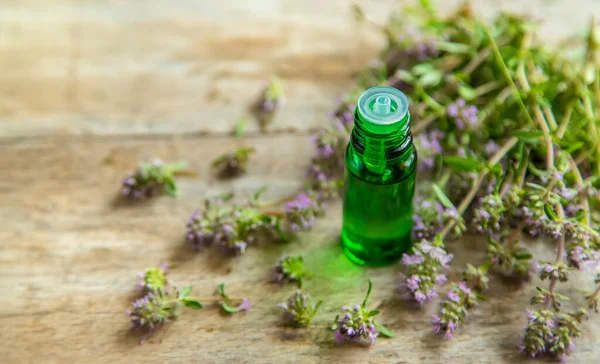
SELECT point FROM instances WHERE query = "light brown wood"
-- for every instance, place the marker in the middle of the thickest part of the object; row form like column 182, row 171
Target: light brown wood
column 89, row 88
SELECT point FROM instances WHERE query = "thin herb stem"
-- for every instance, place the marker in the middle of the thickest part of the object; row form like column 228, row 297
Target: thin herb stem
column 580, row 185
column 475, row 62
column 478, row 182
column 594, row 296
column 514, row 235
column 506, row 73
column 423, row 124
column 565, row 121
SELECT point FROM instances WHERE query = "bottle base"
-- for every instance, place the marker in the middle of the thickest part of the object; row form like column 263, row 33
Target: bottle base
column 378, row 255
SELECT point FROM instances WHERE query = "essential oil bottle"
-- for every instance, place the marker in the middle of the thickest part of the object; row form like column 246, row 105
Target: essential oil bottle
column 380, row 179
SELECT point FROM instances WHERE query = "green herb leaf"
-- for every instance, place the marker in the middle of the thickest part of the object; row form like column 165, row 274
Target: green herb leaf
column 405, row 76
column 192, row 303
column 185, row 292
column 229, row 309
column 574, row 147
column 522, row 256
column 444, row 200
column 373, row 313
column 260, row 192
column 220, row 290
column 550, row 212
column 529, row 136
column 240, row 128
column 431, row 79
column 170, row 187
column 463, row 164
column 467, row 92
column 384, row 331
column 335, row 323
column 451, row 47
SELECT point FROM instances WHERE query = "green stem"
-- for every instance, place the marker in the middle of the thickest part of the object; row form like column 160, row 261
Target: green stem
column 580, row 185
column 506, row 73
column 462, row 207
column 513, row 237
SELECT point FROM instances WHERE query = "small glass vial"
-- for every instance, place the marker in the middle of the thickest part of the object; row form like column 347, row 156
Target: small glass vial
column 380, row 179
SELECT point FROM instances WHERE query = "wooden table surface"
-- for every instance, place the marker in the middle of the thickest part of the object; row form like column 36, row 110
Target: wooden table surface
column 88, row 88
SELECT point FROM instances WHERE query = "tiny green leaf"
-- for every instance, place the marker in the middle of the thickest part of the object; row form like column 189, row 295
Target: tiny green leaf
column 384, row 331
column 240, row 128
column 220, row 290
column 522, row 256
column 463, row 164
column 529, row 136
column 451, row 47
column 550, row 212
column 444, row 200
column 405, row 76
column 192, row 303
column 335, row 323
column 467, row 92
column 432, row 78
column 373, row 313
column 229, row 309
column 185, row 292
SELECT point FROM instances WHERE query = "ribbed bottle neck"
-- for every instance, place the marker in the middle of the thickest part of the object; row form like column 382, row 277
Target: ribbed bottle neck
column 386, row 146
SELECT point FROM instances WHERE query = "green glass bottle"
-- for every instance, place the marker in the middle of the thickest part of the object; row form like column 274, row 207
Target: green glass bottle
column 380, row 176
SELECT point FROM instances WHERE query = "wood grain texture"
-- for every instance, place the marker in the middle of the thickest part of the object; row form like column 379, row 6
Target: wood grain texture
column 70, row 253
column 88, row 88
column 139, row 66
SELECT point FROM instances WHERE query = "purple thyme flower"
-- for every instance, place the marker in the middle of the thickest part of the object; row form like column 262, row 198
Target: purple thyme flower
column 153, row 279
column 205, row 226
column 462, row 113
column 358, row 323
column 427, row 218
column 234, row 163
column 582, row 256
column 424, row 266
column 355, row 325
column 233, row 228
column 290, row 269
column 302, row 212
column 151, row 179
column 429, row 147
column 272, row 97
column 153, row 310
column 344, row 114
column 539, row 332
column 454, row 310
column 299, row 310
column 491, row 148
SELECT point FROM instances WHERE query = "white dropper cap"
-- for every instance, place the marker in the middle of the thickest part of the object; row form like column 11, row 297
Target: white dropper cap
column 384, row 108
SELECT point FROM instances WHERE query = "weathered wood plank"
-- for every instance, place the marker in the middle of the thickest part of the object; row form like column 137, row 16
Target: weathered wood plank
column 69, row 255
column 131, row 67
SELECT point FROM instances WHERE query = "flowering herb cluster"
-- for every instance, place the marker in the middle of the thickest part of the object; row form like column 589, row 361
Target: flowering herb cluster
column 299, row 309
column 425, row 270
column 508, row 137
column 271, row 99
column 234, row 163
column 235, row 227
column 151, row 179
column 357, row 324
column 291, row 269
column 508, row 134
column 161, row 302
